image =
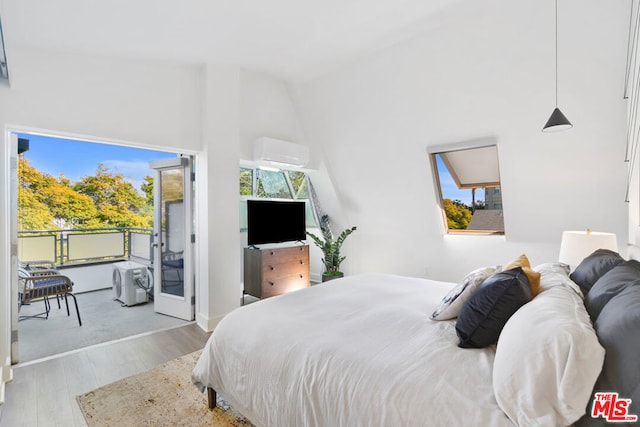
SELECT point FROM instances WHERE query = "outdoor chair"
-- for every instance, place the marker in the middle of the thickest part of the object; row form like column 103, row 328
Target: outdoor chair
column 38, row 281
column 38, row 268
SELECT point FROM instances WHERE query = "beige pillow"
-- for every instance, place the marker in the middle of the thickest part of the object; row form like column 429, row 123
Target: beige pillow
column 533, row 276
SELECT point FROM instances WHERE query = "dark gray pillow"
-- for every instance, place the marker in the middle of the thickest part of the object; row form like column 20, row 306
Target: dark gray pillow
column 485, row 313
column 593, row 267
column 618, row 329
column 609, row 285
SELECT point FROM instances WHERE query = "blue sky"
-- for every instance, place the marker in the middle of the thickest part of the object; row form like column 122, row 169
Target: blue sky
column 75, row 159
column 449, row 188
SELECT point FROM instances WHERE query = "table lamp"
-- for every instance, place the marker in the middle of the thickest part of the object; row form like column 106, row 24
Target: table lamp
column 577, row 245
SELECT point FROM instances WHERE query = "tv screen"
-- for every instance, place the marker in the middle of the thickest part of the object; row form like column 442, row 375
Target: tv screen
column 275, row 222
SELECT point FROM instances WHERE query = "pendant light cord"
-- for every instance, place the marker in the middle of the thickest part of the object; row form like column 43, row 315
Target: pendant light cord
column 557, row 120
column 631, row 49
column 556, row 53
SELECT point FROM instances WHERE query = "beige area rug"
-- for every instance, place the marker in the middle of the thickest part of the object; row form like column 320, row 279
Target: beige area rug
column 161, row 396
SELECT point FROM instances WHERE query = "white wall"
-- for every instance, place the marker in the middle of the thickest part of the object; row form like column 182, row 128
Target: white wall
column 90, row 278
column 217, row 237
column 266, row 109
column 154, row 104
column 483, row 69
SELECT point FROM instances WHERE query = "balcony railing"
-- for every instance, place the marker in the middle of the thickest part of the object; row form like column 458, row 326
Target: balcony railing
column 69, row 247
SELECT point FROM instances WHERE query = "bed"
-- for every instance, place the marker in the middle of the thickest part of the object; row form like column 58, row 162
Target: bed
column 365, row 350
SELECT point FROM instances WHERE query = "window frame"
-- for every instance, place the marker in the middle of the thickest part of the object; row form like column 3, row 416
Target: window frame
column 433, row 151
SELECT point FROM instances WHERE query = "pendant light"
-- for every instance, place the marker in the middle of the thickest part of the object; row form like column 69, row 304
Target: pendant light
column 557, row 121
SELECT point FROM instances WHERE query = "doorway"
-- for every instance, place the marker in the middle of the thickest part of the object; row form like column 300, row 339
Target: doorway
column 68, row 226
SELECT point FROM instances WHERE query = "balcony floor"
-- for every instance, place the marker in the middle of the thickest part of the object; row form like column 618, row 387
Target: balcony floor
column 103, row 319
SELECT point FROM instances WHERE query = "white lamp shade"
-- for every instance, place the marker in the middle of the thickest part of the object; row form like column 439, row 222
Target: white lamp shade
column 577, row 245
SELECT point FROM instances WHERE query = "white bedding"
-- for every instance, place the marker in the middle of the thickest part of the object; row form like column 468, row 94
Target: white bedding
column 360, row 351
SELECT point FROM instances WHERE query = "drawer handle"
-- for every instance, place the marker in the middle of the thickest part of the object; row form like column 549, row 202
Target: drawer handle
column 302, row 262
column 271, row 267
column 271, row 283
column 273, row 253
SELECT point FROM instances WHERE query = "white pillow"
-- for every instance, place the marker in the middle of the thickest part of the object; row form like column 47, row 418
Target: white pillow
column 547, row 359
column 452, row 302
column 553, row 267
column 556, row 274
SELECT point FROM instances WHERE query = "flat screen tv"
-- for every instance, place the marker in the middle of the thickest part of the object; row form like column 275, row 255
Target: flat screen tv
column 275, row 222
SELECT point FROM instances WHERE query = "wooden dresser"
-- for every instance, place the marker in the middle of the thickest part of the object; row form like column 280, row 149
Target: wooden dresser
column 275, row 271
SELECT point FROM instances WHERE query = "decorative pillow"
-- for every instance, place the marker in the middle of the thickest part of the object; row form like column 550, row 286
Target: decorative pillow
column 593, row 267
column 611, row 284
column 452, row 302
column 533, row 276
column 547, row 360
column 484, row 314
column 521, row 261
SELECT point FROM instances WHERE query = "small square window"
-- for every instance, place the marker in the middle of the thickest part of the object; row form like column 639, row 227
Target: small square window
column 246, row 182
column 467, row 178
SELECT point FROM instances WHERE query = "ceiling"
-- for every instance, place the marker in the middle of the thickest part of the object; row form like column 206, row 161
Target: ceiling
column 292, row 39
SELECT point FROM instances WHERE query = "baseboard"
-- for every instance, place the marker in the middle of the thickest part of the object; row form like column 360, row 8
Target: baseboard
column 315, row 278
column 6, row 376
column 207, row 324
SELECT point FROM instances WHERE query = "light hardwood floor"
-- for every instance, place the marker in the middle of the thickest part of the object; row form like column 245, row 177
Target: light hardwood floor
column 43, row 392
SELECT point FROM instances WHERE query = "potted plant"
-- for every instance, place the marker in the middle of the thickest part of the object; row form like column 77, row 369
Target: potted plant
column 331, row 249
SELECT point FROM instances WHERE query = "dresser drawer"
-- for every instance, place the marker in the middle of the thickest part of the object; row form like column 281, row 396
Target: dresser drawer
column 284, row 255
column 281, row 285
column 273, row 270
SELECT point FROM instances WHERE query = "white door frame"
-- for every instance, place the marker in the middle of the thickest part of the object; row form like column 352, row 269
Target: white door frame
column 10, row 214
column 13, row 239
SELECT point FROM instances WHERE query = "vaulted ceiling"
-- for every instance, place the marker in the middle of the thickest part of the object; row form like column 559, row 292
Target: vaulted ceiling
column 292, row 39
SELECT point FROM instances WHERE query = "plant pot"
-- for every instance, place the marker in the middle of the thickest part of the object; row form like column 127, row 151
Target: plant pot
column 330, row 276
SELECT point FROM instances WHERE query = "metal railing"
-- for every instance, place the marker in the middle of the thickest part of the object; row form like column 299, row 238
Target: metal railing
column 89, row 245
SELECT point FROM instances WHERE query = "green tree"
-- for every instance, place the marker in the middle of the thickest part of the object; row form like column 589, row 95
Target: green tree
column 147, row 188
column 117, row 202
column 299, row 184
column 246, row 182
column 45, row 202
column 458, row 214
column 70, row 208
column 103, row 200
column 32, row 213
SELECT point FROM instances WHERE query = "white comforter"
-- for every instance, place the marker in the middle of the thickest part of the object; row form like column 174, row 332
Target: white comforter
column 360, row 351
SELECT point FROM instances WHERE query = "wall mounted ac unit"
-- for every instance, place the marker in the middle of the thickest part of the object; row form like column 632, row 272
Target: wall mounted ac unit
column 130, row 280
column 279, row 152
